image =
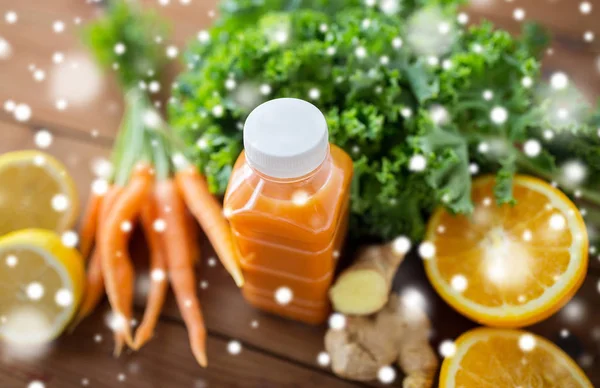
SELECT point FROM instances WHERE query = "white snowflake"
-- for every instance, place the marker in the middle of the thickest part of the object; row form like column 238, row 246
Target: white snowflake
column 314, row 94
column 120, row 48
column 234, row 347
column 519, row 14
column 159, row 225
column 281, row 36
column 60, row 202
column 58, row 57
column 447, row 348
column 61, row 104
column 389, row 7
column 265, row 89
column 527, row 82
column 230, row 84
column 43, row 138
column 360, row 52
column 11, row 17
column 337, row 321
column 432, row 60
column 459, row 283
column 39, row 75
column 218, row 111
column 12, row 261
column 585, row 7
column 300, row 197
column 70, row 238
column 427, row 250
column 417, row 163
column 154, row 86
column 283, row 295
column 574, row 172
column 172, row 51
column 58, row 26
column 499, row 115
column 386, row 375
column 559, row 80
column 63, row 297
column 532, row 148
column 473, row 168
column 35, row 291
column 22, row 112
column 527, row 342
column 10, row 105
column 401, row 245
column 203, row 36
column 158, row 275
column 548, row 134
column 444, row 28
column 323, row 359
column 557, row 221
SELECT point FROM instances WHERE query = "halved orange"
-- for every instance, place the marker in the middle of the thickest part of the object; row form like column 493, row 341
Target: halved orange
column 493, row 358
column 509, row 265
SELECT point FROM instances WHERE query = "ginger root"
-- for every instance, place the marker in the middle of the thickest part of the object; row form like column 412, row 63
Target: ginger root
column 363, row 288
column 397, row 333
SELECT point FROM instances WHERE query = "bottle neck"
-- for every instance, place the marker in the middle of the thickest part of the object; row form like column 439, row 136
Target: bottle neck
column 324, row 166
column 283, row 189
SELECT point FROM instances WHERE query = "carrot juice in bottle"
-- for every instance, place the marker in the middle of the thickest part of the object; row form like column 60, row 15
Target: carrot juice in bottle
column 287, row 204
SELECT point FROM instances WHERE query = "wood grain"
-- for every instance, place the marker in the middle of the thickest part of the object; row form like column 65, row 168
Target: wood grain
column 165, row 362
column 93, row 98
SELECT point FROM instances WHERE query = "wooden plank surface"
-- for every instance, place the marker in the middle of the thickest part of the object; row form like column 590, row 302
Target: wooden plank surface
column 165, row 362
column 93, row 100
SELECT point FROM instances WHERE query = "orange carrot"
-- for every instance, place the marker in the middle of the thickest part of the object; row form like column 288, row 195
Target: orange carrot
column 94, row 289
column 158, row 270
column 181, row 268
column 89, row 223
column 117, row 268
column 192, row 236
column 209, row 214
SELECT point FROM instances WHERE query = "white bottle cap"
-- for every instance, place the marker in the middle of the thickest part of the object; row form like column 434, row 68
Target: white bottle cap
column 286, row 138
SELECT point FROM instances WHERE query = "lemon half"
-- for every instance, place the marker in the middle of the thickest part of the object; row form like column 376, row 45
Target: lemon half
column 42, row 282
column 35, row 192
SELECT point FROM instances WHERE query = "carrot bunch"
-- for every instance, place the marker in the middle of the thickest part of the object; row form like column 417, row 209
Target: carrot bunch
column 149, row 189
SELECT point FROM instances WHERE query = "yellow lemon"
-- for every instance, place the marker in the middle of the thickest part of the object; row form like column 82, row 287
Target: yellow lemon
column 35, row 192
column 510, row 265
column 490, row 358
column 42, row 282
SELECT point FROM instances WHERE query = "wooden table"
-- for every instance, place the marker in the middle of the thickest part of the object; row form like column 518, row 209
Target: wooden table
column 275, row 352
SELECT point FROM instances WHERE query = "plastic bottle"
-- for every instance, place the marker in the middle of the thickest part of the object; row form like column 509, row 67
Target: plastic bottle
column 287, row 203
